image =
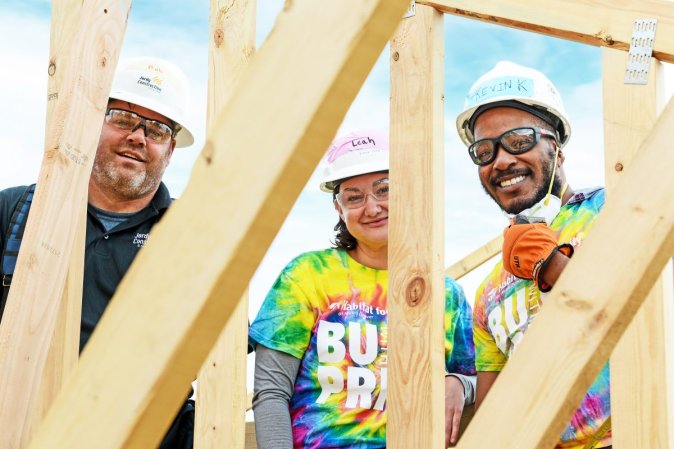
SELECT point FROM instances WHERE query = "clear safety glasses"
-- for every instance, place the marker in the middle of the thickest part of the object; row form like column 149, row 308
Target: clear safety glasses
column 130, row 121
column 353, row 198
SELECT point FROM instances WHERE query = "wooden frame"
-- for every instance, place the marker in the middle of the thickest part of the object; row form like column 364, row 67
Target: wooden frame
column 584, row 325
column 132, row 376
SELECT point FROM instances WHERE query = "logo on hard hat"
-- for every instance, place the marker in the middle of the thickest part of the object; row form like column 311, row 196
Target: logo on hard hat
column 152, row 83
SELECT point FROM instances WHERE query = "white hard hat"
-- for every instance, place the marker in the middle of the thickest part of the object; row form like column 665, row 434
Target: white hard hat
column 353, row 155
column 157, row 85
column 512, row 85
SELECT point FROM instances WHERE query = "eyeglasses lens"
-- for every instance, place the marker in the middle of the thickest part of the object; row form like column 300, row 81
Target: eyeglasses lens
column 127, row 120
column 514, row 141
column 353, row 198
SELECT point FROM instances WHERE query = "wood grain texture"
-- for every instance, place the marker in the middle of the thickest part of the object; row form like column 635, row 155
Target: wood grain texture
column 603, row 23
column 251, row 442
column 34, row 301
column 594, row 300
column 221, row 393
column 64, row 350
column 639, row 377
column 415, row 406
column 184, row 284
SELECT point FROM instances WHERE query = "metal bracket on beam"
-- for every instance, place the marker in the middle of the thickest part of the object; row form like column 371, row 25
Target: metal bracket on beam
column 641, row 50
column 411, row 10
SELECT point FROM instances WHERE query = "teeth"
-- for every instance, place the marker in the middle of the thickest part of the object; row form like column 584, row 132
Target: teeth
column 509, row 182
column 130, row 156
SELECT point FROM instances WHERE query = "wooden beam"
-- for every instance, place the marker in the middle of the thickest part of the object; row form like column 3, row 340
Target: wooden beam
column 639, row 409
column 221, row 392
column 182, row 287
column 64, row 351
column 602, row 23
column 416, row 303
column 592, row 303
column 475, row 259
column 251, row 442
column 28, row 324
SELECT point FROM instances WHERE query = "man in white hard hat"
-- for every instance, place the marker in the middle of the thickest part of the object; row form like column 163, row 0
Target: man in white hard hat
column 144, row 122
column 515, row 127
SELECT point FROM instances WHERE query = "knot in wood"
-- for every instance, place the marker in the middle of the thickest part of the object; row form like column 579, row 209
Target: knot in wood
column 619, row 167
column 207, row 153
column 52, row 68
column 415, row 291
column 396, row 56
column 218, row 37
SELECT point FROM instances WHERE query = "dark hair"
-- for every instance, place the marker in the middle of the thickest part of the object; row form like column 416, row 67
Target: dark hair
column 343, row 238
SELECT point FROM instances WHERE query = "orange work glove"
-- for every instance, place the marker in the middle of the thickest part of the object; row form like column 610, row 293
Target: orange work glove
column 528, row 248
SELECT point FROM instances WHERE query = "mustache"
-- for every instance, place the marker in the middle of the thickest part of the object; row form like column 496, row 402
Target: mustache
column 501, row 175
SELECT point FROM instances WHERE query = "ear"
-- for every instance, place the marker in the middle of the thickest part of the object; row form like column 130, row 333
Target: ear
column 339, row 210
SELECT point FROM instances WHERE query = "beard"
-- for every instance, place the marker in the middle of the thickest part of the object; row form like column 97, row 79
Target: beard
column 107, row 173
column 520, row 204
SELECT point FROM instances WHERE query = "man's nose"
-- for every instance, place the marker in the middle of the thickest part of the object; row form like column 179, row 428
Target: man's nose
column 503, row 159
column 138, row 133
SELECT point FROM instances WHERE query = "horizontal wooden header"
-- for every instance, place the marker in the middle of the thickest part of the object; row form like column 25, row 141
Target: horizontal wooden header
column 599, row 23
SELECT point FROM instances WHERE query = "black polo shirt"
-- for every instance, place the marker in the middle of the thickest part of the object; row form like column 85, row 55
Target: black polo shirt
column 107, row 256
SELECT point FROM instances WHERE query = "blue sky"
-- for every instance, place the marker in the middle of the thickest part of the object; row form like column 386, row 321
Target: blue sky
column 178, row 30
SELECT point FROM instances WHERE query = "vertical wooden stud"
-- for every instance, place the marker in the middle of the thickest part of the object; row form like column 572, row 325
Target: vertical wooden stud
column 64, row 350
column 416, row 236
column 640, row 383
column 221, row 387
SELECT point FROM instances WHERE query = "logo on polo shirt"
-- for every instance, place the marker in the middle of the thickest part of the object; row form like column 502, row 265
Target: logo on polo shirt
column 140, row 239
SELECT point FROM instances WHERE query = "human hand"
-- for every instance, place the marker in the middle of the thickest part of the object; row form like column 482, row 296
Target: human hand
column 527, row 248
column 454, row 400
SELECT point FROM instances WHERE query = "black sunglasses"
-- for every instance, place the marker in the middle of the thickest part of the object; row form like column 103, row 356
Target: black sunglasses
column 514, row 141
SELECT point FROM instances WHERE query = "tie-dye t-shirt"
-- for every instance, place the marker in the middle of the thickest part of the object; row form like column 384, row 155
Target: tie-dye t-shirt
column 505, row 307
column 330, row 312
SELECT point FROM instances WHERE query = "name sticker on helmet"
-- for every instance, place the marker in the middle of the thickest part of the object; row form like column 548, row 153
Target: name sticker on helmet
column 357, row 143
column 498, row 87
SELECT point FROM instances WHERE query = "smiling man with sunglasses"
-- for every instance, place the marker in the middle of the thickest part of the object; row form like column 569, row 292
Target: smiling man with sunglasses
column 515, row 127
column 143, row 124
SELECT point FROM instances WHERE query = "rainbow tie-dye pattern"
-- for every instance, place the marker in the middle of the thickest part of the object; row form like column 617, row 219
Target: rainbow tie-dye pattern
column 320, row 300
column 505, row 307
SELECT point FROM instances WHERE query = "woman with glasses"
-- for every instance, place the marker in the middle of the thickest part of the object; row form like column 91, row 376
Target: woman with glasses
column 321, row 334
